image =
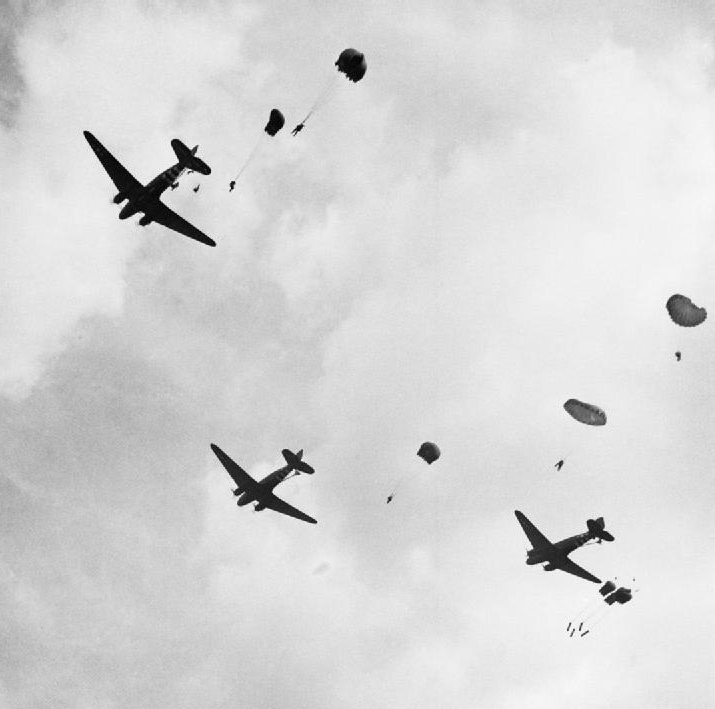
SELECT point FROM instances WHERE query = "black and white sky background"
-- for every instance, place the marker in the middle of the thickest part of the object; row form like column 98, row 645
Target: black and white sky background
column 488, row 224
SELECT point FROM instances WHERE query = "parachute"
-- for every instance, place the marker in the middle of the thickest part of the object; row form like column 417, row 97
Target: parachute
column 684, row 312
column 595, row 611
column 607, row 588
column 622, row 595
column 276, row 121
column 352, row 63
column 429, row 451
column 585, row 413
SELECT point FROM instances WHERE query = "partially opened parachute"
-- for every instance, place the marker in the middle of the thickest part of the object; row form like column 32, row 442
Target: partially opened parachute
column 276, row 121
column 352, row 63
column 607, row 588
column 585, row 413
column 684, row 312
column 429, row 451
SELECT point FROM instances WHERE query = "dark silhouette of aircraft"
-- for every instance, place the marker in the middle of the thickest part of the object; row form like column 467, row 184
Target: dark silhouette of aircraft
column 555, row 556
column 559, row 465
column 145, row 198
column 261, row 492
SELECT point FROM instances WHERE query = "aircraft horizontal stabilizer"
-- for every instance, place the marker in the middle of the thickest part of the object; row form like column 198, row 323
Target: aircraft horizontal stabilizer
column 305, row 468
column 295, row 461
column 596, row 528
column 188, row 158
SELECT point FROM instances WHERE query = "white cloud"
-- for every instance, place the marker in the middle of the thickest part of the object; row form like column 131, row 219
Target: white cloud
column 486, row 226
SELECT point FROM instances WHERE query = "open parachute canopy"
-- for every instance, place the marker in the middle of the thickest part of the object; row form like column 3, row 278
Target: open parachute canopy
column 585, row 413
column 352, row 63
column 429, row 451
column 276, row 121
column 684, row 312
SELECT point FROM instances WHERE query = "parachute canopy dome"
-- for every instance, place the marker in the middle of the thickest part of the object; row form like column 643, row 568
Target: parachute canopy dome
column 276, row 121
column 585, row 413
column 352, row 63
column 429, row 451
column 684, row 312
column 607, row 588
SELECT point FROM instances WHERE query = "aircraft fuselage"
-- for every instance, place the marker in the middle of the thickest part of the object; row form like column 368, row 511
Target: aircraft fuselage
column 558, row 550
column 265, row 486
column 149, row 193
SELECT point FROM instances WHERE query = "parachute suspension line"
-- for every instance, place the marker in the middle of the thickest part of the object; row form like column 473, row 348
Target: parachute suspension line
column 322, row 97
column 327, row 92
column 597, row 620
column 587, row 607
column 250, row 157
column 596, row 614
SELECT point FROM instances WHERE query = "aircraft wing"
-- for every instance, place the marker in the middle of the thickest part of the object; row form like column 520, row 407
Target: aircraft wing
column 571, row 568
column 122, row 178
column 161, row 214
column 278, row 505
column 536, row 538
column 239, row 475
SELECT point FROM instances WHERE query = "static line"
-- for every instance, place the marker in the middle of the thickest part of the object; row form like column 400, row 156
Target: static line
column 254, row 150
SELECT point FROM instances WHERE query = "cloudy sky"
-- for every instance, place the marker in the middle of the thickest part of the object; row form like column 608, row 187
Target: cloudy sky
column 488, row 224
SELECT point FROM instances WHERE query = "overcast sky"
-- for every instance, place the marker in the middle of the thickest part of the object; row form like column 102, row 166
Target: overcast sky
column 488, row 224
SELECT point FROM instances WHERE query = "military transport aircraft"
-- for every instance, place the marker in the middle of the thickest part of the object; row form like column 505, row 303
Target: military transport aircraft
column 261, row 492
column 555, row 556
column 145, row 198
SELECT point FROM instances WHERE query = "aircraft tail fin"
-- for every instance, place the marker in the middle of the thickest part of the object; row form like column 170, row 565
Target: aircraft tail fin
column 295, row 461
column 597, row 530
column 188, row 158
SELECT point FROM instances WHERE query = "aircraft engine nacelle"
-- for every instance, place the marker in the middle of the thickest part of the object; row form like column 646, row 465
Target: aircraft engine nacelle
column 237, row 491
column 549, row 567
column 260, row 506
column 119, row 197
column 145, row 221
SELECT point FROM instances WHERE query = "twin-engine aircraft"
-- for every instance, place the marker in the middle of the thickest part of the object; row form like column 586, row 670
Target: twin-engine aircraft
column 555, row 556
column 261, row 492
column 145, row 198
